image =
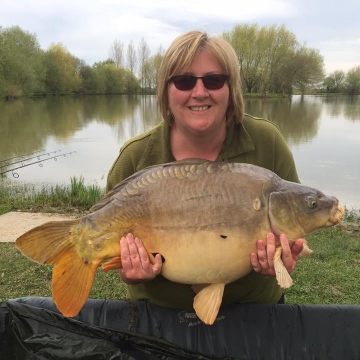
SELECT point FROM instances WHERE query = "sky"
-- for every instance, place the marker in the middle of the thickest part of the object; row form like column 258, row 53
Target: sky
column 88, row 28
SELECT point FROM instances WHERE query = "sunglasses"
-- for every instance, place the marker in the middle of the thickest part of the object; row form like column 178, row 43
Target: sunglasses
column 187, row 82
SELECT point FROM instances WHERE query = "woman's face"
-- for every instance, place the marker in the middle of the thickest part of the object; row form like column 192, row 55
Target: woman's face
column 200, row 110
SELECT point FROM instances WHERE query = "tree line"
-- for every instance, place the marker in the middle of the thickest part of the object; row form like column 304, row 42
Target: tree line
column 271, row 61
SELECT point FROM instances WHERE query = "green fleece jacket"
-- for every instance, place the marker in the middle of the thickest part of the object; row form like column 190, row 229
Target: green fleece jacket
column 254, row 141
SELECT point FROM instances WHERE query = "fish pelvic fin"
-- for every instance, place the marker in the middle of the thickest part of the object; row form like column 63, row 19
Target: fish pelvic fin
column 72, row 282
column 45, row 243
column 207, row 302
column 113, row 264
column 283, row 277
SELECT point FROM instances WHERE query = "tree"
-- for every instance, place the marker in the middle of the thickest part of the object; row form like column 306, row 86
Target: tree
column 271, row 59
column 310, row 68
column 150, row 72
column 243, row 39
column 278, row 46
column 339, row 78
column 62, row 70
column 329, row 84
column 352, row 82
column 262, row 53
column 131, row 65
column 143, row 57
column 117, row 53
column 21, row 62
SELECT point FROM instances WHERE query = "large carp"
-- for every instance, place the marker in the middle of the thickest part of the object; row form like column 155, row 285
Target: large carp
column 186, row 211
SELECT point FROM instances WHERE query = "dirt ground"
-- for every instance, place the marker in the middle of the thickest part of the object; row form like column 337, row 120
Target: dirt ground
column 14, row 224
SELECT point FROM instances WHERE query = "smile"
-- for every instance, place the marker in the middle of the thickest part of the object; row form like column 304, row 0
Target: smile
column 199, row 108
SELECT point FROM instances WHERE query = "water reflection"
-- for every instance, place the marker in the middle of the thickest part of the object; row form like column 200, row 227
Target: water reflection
column 296, row 117
column 26, row 124
column 322, row 131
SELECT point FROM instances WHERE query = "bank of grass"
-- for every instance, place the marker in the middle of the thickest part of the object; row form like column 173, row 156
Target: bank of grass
column 75, row 197
column 329, row 276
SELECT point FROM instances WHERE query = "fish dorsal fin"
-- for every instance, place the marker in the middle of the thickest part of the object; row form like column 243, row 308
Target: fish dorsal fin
column 207, row 302
column 282, row 275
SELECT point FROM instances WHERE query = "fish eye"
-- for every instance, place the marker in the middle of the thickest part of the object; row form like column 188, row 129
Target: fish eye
column 311, row 202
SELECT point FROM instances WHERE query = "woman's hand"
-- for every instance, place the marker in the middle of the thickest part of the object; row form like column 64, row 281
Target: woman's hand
column 136, row 265
column 263, row 260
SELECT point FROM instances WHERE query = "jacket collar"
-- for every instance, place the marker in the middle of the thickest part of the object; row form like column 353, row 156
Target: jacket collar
column 158, row 150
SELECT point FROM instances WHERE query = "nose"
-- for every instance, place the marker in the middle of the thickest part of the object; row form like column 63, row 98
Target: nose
column 199, row 89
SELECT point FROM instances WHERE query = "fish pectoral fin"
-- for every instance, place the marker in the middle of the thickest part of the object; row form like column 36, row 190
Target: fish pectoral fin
column 282, row 275
column 72, row 281
column 207, row 302
column 306, row 250
column 113, row 264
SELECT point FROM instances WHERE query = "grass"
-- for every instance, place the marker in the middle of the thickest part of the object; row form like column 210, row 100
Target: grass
column 20, row 277
column 329, row 276
column 75, row 197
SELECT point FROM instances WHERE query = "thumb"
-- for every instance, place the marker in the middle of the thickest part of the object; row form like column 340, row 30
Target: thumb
column 157, row 266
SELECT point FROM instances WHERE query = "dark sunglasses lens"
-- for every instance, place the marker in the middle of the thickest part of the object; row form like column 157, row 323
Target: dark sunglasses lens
column 187, row 82
column 184, row 82
column 214, row 82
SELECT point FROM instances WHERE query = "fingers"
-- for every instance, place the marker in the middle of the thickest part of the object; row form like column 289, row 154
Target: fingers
column 290, row 254
column 136, row 265
column 263, row 260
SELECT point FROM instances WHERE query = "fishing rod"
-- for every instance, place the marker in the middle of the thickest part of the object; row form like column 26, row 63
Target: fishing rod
column 55, row 157
column 24, row 158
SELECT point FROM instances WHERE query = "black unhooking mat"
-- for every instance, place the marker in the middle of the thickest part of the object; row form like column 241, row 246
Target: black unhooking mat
column 32, row 328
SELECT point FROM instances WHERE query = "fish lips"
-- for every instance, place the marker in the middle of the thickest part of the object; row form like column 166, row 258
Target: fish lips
column 337, row 215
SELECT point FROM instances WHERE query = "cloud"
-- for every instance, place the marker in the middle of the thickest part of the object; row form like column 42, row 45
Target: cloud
column 341, row 54
column 88, row 28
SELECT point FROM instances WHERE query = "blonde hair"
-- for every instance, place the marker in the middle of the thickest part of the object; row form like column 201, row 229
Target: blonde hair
column 179, row 58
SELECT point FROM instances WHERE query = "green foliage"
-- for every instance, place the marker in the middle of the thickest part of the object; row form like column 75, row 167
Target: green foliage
column 21, row 63
column 335, row 81
column 62, row 71
column 272, row 61
column 352, row 84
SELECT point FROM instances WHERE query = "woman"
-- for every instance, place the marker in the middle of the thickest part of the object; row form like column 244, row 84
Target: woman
column 199, row 92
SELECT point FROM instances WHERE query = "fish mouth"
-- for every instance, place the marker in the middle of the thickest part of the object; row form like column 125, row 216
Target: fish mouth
column 336, row 217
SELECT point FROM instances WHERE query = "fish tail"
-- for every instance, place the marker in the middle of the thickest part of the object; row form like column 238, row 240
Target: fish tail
column 72, row 282
column 45, row 243
column 73, row 276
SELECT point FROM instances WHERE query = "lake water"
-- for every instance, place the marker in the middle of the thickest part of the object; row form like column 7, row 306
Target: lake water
column 84, row 134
